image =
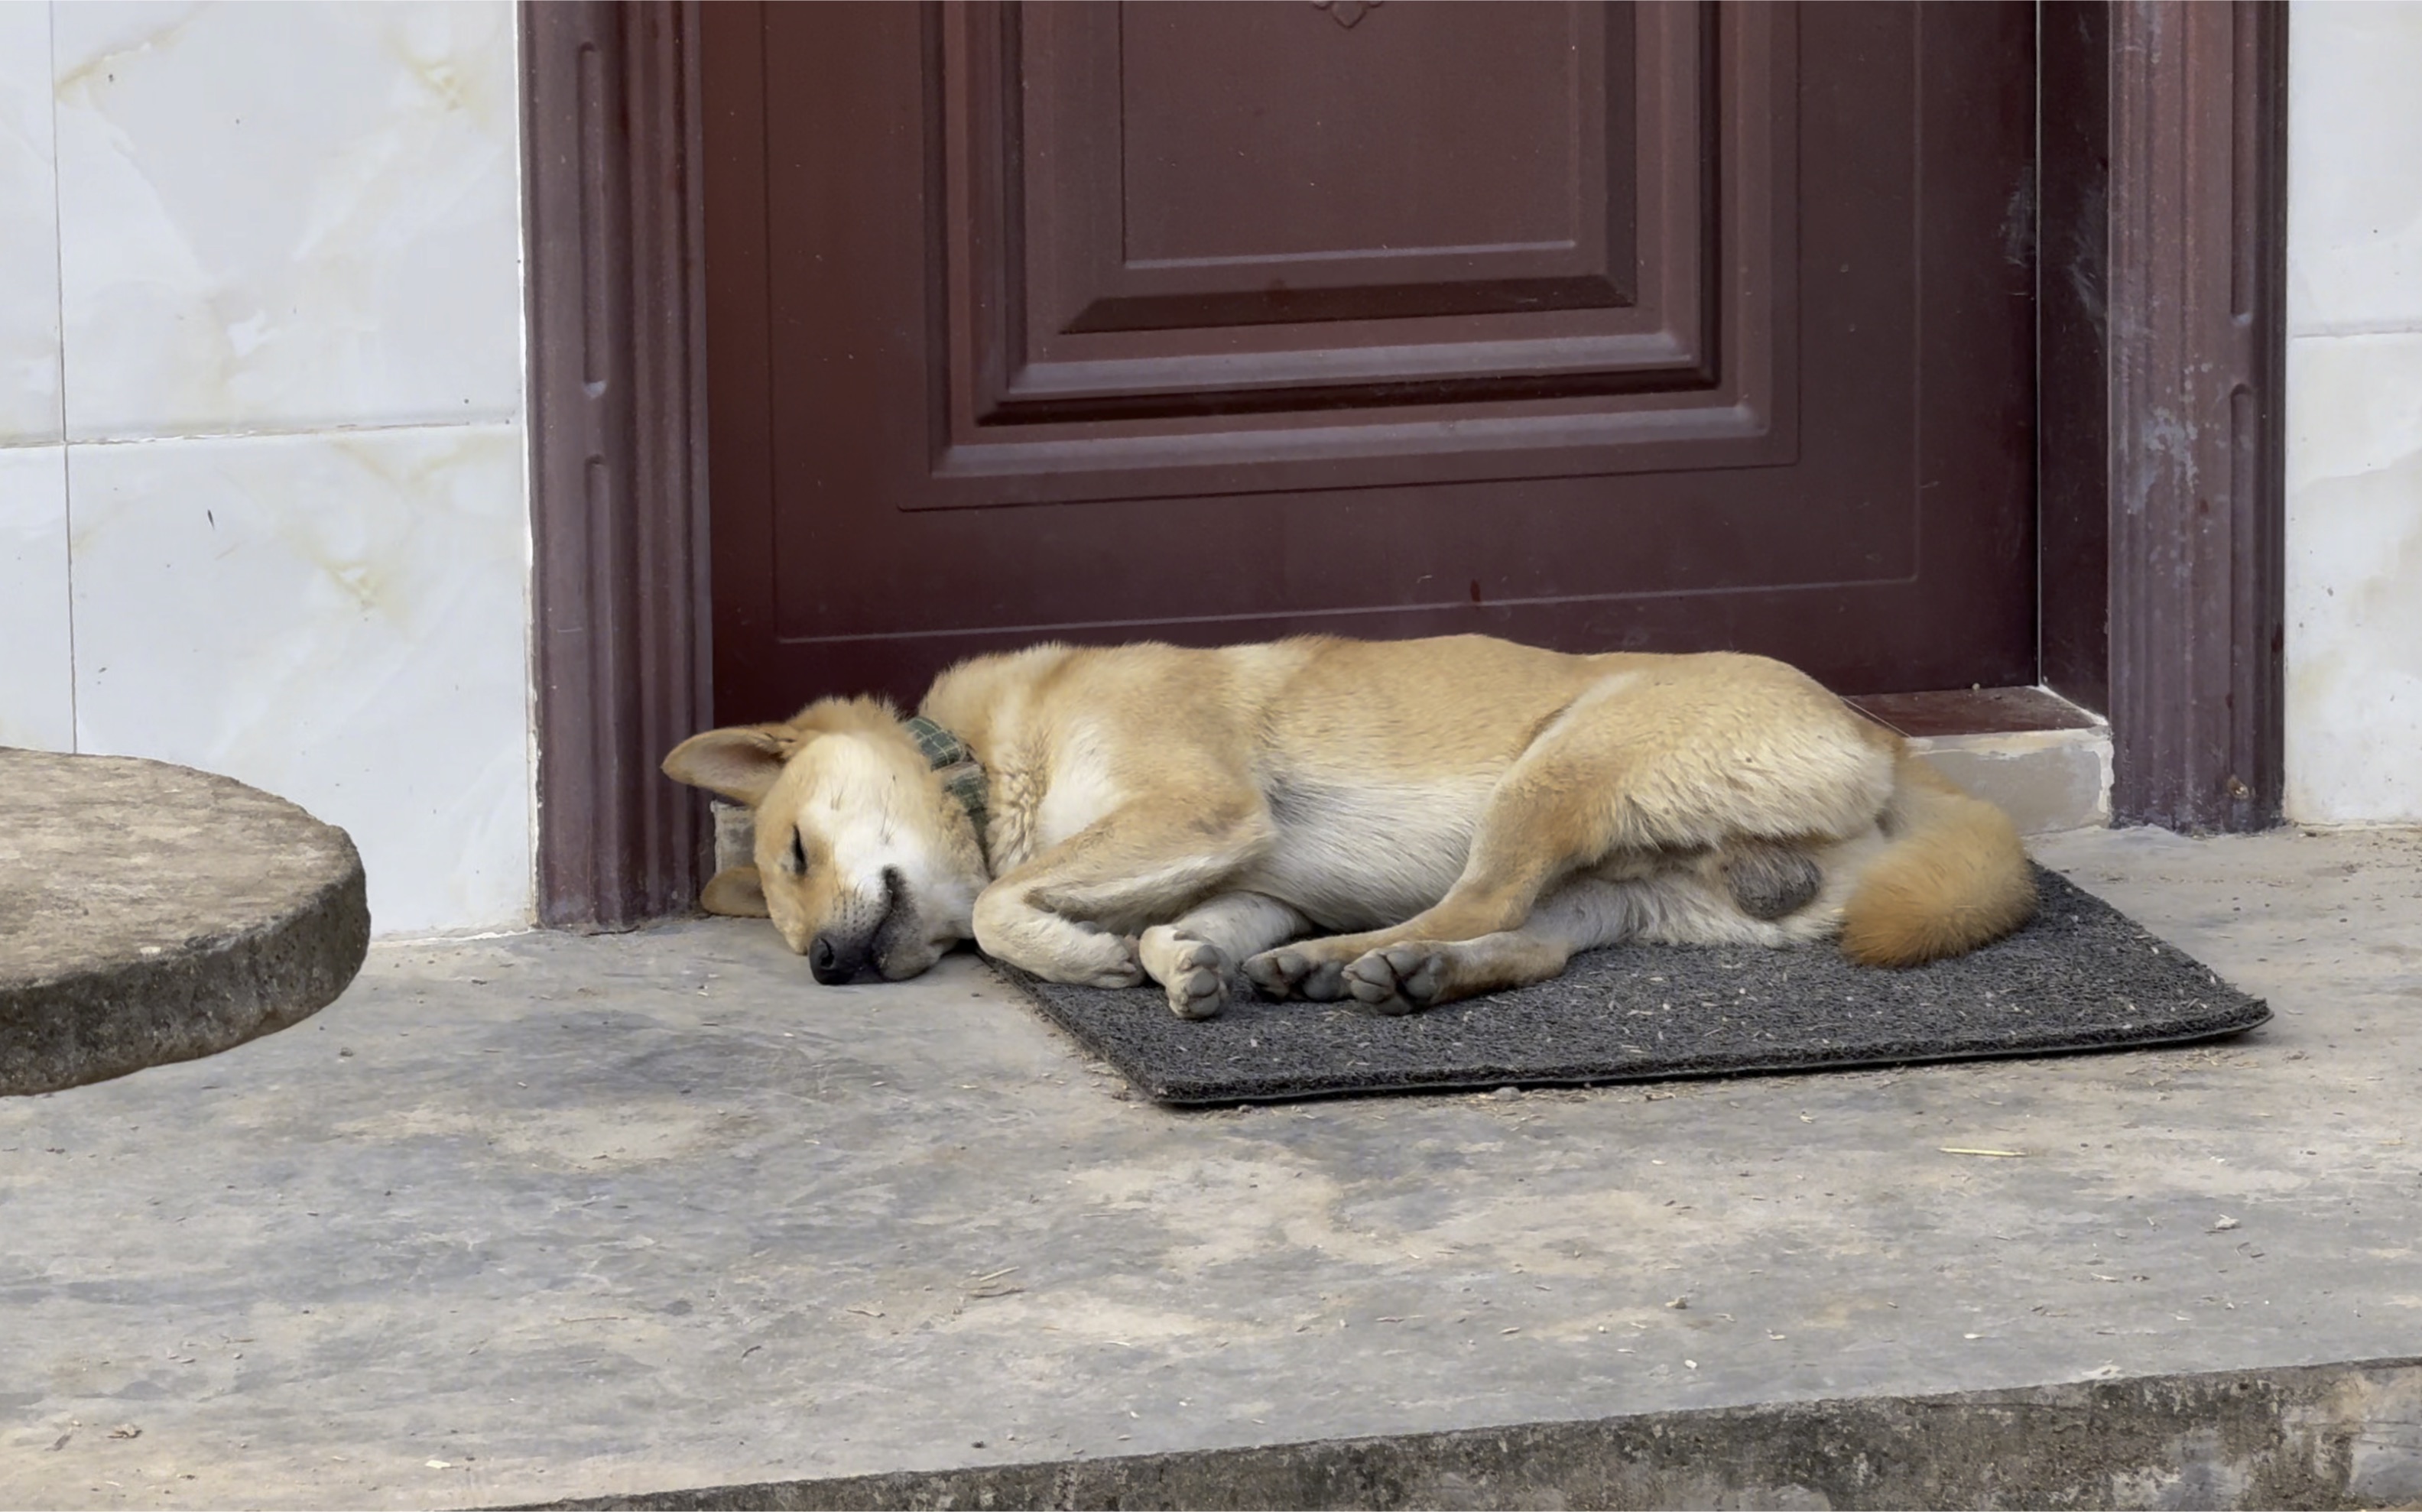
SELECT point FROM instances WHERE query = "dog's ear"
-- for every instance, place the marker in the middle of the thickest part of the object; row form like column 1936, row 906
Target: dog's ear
column 736, row 892
column 740, row 762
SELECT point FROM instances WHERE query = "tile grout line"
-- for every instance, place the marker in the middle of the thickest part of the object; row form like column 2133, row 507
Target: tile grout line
column 2393, row 326
column 59, row 298
column 276, row 432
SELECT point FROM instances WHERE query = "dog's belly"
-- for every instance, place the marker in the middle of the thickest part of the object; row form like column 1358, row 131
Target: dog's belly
column 1358, row 856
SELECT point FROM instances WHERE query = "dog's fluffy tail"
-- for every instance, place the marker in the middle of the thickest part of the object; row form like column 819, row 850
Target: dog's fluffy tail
column 1953, row 877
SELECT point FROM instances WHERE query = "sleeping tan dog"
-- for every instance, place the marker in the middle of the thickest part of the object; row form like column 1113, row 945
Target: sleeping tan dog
column 1403, row 823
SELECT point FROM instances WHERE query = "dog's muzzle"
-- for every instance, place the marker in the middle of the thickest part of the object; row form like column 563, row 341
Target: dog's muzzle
column 832, row 962
column 841, row 955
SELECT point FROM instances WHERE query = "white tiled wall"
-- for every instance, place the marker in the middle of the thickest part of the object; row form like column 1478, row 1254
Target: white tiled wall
column 29, row 249
column 35, row 673
column 335, row 617
column 2354, row 412
column 279, row 217
column 274, row 520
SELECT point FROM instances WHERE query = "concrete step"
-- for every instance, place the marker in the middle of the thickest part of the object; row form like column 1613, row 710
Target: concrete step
column 2045, row 761
column 151, row 913
column 2315, row 1436
column 553, row 1216
column 2048, row 780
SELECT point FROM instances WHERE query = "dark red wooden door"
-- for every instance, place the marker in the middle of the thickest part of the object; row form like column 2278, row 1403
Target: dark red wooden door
column 1604, row 326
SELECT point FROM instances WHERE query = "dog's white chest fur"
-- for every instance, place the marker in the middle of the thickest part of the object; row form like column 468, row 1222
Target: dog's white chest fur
column 1080, row 792
column 1353, row 855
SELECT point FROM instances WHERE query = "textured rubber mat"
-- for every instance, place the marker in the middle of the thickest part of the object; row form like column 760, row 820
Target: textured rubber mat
column 2081, row 977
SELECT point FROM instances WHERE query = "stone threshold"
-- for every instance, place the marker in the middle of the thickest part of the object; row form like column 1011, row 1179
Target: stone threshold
column 2044, row 760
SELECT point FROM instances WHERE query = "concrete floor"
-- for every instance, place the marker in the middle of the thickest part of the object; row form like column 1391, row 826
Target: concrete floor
column 549, row 1216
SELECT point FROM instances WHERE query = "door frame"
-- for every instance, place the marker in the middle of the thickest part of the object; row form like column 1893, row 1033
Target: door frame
column 2162, row 237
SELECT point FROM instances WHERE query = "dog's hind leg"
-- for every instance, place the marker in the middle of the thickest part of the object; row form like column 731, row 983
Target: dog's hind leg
column 1069, row 915
column 1195, row 959
column 1634, row 773
column 1418, row 973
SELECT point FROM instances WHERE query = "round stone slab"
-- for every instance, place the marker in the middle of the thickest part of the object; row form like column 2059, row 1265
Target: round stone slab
column 151, row 913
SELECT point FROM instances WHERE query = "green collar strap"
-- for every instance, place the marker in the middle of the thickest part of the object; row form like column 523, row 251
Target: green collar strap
column 962, row 775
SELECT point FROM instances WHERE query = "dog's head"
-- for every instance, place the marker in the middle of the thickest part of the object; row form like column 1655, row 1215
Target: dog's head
column 864, row 860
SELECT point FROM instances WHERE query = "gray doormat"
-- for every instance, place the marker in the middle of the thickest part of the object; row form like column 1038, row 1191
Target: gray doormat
column 2081, row 977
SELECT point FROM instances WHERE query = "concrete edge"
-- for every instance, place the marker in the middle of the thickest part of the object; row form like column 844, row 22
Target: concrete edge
column 2346, row 1435
column 75, row 1030
column 2045, row 780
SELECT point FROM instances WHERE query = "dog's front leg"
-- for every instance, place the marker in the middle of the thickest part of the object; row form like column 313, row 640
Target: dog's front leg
column 1010, row 928
column 1067, row 914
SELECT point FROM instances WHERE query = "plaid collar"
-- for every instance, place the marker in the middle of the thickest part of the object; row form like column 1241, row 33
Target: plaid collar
column 962, row 775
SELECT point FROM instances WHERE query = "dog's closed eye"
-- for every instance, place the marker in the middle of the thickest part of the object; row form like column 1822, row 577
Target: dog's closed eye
column 796, row 862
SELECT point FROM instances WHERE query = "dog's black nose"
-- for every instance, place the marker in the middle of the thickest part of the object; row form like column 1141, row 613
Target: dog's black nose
column 825, row 961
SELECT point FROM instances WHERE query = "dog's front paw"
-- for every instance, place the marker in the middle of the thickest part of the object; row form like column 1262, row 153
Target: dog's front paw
column 1398, row 979
column 1287, row 973
column 1102, row 961
column 1193, row 971
column 1199, row 995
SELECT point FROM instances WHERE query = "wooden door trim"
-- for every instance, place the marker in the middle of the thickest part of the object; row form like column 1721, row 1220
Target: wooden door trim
column 611, row 134
column 2162, row 241
column 2162, row 310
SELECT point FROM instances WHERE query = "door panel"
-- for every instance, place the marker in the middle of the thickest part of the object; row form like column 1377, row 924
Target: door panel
column 1665, row 326
column 1127, row 341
